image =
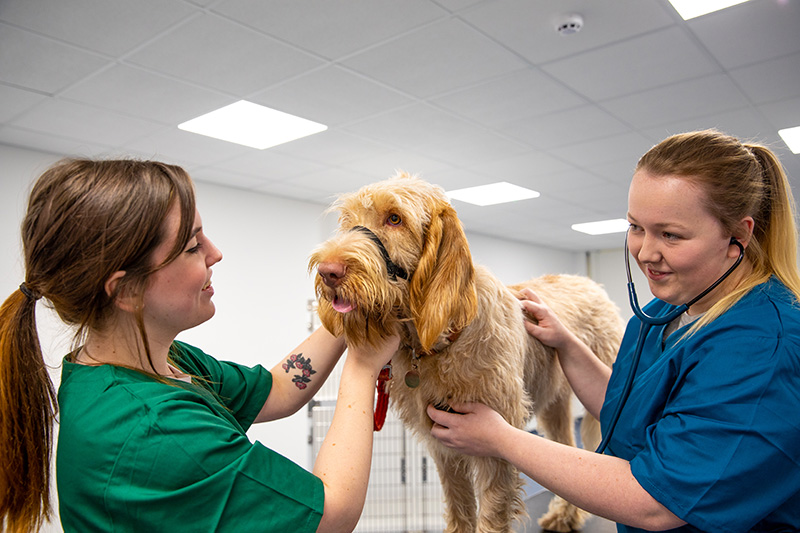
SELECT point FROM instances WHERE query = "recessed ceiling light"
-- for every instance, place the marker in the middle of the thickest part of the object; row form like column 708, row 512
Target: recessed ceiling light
column 252, row 125
column 689, row 9
column 494, row 193
column 791, row 136
column 602, row 227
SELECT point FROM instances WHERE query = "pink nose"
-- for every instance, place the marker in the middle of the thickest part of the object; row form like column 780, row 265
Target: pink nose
column 332, row 273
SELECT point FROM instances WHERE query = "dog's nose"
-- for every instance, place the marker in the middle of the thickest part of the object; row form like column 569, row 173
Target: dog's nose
column 332, row 273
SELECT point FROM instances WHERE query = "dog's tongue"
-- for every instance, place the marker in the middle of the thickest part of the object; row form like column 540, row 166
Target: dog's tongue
column 342, row 305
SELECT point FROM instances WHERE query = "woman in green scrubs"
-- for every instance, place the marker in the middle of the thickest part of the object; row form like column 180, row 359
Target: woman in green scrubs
column 152, row 431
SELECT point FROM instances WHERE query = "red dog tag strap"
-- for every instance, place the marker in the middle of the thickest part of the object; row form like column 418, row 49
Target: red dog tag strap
column 382, row 403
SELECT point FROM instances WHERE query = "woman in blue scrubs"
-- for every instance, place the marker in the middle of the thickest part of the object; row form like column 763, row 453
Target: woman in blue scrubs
column 708, row 438
column 152, row 431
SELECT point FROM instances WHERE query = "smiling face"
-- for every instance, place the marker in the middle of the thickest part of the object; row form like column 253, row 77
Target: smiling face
column 678, row 244
column 178, row 296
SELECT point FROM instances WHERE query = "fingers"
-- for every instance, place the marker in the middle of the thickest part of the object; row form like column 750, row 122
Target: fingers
column 528, row 294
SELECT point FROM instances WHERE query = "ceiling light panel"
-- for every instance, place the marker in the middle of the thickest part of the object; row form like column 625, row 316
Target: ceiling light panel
column 689, row 9
column 252, row 125
column 603, row 227
column 494, row 193
column 791, row 136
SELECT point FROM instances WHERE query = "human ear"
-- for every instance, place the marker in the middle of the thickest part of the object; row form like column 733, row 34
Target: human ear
column 744, row 231
column 115, row 288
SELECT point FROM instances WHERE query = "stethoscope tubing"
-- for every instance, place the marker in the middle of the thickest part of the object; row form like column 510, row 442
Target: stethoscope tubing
column 647, row 322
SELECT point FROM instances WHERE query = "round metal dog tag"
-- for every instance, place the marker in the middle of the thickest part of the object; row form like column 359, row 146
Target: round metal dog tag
column 412, row 379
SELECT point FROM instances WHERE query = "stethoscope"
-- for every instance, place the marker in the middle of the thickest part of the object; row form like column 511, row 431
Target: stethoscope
column 647, row 322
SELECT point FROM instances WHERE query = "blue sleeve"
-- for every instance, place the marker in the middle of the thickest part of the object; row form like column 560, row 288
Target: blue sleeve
column 731, row 423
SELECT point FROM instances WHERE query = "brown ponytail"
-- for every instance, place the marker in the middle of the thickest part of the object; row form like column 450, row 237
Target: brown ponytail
column 86, row 220
column 28, row 406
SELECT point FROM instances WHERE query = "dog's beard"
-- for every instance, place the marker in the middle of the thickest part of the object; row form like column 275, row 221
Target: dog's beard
column 366, row 320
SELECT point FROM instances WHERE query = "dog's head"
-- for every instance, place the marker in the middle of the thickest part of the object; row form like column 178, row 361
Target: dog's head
column 361, row 295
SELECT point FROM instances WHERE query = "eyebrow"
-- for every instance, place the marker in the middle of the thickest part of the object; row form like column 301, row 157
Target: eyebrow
column 659, row 225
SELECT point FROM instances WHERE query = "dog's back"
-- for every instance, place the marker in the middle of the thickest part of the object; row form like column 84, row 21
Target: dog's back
column 585, row 308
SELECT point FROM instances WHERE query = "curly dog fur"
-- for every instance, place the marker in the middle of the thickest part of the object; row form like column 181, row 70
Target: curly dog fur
column 462, row 332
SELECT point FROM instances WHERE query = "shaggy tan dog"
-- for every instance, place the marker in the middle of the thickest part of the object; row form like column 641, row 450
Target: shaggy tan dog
column 401, row 263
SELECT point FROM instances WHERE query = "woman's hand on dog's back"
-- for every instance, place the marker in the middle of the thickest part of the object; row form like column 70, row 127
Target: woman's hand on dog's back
column 542, row 323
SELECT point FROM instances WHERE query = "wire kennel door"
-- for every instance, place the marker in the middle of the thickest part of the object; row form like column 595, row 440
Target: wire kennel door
column 404, row 492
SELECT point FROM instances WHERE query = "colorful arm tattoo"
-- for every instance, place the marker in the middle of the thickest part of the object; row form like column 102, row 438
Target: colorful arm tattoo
column 301, row 363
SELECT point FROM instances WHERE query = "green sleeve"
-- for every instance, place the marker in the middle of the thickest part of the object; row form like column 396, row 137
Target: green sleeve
column 185, row 466
column 241, row 389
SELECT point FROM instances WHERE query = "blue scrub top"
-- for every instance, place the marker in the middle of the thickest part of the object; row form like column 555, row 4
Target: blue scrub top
column 712, row 424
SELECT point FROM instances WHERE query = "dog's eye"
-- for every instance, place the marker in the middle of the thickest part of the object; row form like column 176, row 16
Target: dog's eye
column 394, row 219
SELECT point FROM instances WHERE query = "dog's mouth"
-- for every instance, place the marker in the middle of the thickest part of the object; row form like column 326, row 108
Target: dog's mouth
column 342, row 305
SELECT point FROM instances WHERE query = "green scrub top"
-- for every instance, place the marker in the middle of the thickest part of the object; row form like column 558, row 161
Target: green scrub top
column 135, row 454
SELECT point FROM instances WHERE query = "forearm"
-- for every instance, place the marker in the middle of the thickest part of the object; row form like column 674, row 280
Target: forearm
column 344, row 460
column 306, row 369
column 587, row 375
column 600, row 484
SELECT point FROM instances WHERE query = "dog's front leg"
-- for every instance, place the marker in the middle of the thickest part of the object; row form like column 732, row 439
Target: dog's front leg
column 499, row 486
column 459, row 494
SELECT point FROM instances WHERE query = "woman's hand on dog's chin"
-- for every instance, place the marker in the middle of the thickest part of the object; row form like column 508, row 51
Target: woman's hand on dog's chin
column 378, row 356
column 473, row 429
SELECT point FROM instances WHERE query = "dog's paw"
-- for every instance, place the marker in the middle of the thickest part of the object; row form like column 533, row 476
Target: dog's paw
column 562, row 517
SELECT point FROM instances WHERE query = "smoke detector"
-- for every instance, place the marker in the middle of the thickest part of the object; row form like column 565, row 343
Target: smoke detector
column 569, row 24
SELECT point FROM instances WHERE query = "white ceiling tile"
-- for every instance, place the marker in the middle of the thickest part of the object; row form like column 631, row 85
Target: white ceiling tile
column 565, row 127
column 528, row 27
column 288, row 189
column 524, row 169
column 410, row 127
column 661, row 57
column 783, row 114
column 332, row 29
column 47, row 142
column 628, row 146
column 511, row 99
column 474, row 148
column 219, row 54
column 331, row 181
column 776, row 79
column 521, row 94
column 14, row 102
column 702, row 96
column 268, row 165
column 188, row 149
column 331, row 95
column 619, row 171
column 34, row 62
column 383, row 164
column 226, row 178
column 108, row 27
column 85, row 123
column 435, row 59
column 459, row 178
column 753, row 31
column 135, row 91
column 742, row 123
column 329, row 147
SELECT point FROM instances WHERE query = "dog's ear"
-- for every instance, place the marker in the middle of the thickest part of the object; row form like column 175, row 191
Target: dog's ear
column 442, row 289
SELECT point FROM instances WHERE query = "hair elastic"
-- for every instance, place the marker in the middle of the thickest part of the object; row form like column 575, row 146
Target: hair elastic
column 27, row 292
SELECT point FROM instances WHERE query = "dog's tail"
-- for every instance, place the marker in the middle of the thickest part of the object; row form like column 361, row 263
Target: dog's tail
column 590, row 432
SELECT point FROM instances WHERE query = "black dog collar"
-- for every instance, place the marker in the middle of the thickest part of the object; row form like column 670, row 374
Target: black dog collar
column 393, row 269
